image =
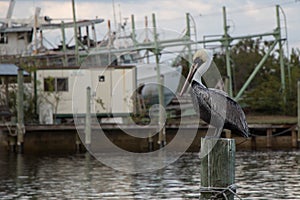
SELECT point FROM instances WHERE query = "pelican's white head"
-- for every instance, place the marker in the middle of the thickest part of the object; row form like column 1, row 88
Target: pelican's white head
column 201, row 62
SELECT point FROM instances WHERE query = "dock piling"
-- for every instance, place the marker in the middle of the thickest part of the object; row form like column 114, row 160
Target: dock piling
column 20, row 112
column 269, row 137
column 160, row 84
column 88, row 118
column 217, row 168
column 150, row 143
column 298, row 127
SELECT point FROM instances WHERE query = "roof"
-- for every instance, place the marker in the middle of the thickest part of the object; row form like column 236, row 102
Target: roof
column 16, row 29
column 29, row 27
column 71, row 24
column 10, row 70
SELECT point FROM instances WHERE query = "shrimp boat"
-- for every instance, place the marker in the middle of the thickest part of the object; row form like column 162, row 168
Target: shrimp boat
column 26, row 40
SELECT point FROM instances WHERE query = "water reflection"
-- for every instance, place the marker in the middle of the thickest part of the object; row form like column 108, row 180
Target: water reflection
column 259, row 175
column 268, row 175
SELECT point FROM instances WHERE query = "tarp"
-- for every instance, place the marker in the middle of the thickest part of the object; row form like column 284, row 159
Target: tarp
column 10, row 70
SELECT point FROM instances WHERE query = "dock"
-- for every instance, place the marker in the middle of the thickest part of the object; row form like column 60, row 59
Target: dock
column 65, row 138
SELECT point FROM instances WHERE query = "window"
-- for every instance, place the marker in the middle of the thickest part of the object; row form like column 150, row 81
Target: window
column 101, row 78
column 3, row 38
column 21, row 36
column 52, row 84
column 49, row 84
column 62, row 84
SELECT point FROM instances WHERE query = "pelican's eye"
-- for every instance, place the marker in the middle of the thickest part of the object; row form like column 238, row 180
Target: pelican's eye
column 198, row 61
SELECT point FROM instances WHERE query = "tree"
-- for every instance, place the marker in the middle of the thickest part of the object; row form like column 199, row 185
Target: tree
column 264, row 94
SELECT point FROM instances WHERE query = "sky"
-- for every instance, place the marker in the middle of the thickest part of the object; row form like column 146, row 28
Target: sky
column 244, row 17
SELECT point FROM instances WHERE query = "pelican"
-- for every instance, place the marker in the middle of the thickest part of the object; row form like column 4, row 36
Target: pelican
column 213, row 106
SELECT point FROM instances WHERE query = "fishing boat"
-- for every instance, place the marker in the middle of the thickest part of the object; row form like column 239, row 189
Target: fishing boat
column 26, row 40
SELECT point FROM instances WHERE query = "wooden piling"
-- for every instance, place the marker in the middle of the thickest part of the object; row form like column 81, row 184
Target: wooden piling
column 294, row 139
column 12, row 144
column 217, row 168
column 20, row 112
column 150, row 143
column 88, row 118
column 269, row 137
column 298, row 91
column 162, row 114
column 228, row 134
column 78, row 144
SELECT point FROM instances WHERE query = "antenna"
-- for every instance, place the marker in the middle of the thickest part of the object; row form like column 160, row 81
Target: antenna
column 114, row 12
column 120, row 18
column 10, row 12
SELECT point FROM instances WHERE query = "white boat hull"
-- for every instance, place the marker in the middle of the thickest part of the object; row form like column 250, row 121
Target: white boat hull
column 147, row 76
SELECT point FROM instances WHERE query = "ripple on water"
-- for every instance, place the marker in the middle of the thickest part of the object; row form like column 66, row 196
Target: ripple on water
column 259, row 175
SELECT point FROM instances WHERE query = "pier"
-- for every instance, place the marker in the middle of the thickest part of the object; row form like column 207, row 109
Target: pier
column 64, row 137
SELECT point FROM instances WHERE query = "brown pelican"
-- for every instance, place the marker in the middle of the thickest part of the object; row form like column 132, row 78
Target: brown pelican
column 214, row 106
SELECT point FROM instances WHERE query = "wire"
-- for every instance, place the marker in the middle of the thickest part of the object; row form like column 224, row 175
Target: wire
column 243, row 9
column 277, row 134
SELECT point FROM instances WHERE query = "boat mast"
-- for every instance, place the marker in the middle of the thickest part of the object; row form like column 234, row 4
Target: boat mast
column 114, row 12
column 10, row 12
column 75, row 33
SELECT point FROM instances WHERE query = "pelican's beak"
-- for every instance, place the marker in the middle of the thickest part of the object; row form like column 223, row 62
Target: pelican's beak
column 189, row 77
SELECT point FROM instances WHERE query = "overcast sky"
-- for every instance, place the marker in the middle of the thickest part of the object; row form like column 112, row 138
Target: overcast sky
column 244, row 16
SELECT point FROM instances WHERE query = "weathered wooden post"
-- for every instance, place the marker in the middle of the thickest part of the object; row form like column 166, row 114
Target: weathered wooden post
column 20, row 112
column 88, row 118
column 160, row 81
column 150, row 143
column 162, row 133
column 298, row 86
column 217, row 168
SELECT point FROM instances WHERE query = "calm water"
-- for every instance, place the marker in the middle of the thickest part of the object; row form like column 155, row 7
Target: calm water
column 259, row 175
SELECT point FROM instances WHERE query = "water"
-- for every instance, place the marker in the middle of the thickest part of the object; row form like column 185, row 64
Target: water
column 259, row 175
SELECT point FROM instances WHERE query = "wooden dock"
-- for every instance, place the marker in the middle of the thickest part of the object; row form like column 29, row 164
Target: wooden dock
column 64, row 137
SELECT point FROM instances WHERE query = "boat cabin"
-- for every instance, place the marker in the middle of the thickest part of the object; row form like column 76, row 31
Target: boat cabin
column 62, row 92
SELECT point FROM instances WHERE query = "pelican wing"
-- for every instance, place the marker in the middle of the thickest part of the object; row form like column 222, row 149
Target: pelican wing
column 218, row 104
column 209, row 104
column 218, row 109
column 236, row 117
column 219, row 91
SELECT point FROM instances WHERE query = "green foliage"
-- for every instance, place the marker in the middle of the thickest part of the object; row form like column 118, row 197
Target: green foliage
column 264, row 94
column 292, row 85
column 28, row 102
column 265, row 98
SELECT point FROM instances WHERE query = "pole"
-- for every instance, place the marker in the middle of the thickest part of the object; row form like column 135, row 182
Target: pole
column 188, row 35
column 147, row 38
column 159, row 86
column 282, row 72
column 162, row 133
column 37, row 11
column 133, row 30
column 94, row 35
column 257, row 68
column 35, row 97
column 20, row 112
column 87, row 30
column 226, row 43
column 88, row 118
column 298, row 86
column 75, row 33
column 109, row 42
column 65, row 60
column 217, row 168
column 114, row 12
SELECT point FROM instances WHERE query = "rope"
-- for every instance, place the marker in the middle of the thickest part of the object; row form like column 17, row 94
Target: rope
column 277, row 134
column 220, row 192
column 245, row 140
column 10, row 131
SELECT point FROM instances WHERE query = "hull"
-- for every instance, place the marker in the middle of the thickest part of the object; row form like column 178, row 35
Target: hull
column 147, row 78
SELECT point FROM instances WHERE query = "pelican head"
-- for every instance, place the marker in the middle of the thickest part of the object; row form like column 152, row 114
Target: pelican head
column 201, row 63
